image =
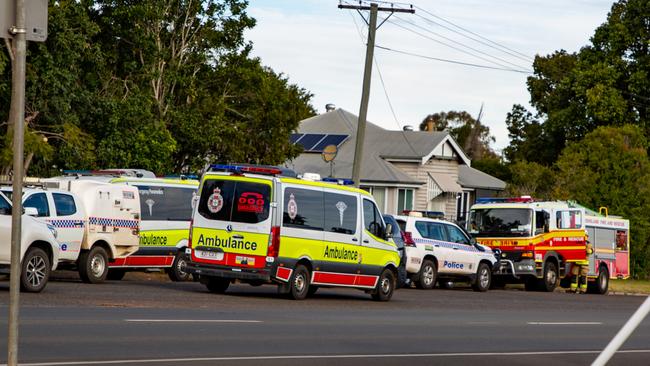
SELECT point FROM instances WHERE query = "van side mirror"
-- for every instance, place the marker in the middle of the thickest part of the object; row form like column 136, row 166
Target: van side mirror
column 31, row 211
column 389, row 230
column 472, row 241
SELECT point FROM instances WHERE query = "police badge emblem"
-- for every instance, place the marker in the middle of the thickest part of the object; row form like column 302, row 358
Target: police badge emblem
column 292, row 207
column 215, row 201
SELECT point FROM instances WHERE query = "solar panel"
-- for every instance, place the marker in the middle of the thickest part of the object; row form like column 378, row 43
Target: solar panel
column 309, row 140
column 295, row 137
column 335, row 140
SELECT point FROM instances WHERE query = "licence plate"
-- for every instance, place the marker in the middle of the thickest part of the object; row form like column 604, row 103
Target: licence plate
column 217, row 256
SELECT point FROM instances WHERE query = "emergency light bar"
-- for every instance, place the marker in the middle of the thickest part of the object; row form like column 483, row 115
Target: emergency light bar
column 240, row 169
column 95, row 172
column 342, row 182
column 522, row 199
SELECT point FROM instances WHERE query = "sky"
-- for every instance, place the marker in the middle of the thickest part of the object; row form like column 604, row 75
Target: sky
column 319, row 47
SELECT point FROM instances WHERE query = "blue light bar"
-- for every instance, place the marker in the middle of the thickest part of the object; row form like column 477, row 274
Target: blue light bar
column 343, row 182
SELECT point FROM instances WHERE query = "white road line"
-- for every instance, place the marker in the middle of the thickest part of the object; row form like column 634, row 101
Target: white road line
column 564, row 323
column 312, row 357
column 191, row 321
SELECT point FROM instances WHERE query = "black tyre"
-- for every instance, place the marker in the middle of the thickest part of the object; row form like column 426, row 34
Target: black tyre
column 601, row 285
column 385, row 286
column 93, row 265
column 115, row 274
column 217, row 285
column 299, row 283
column 35, row 270
column 178, row 270
column 483, row 278
column 551, row 278
column 427, row 275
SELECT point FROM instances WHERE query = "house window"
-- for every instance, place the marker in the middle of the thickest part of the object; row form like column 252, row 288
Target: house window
column 379, row 194
column 404, row 199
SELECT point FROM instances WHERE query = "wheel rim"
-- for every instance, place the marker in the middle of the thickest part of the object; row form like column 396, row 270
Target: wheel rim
column 299, row 282
column 484, row 277
column 181, row 266
column 36, row 270
column 427, row 275
column 385, row 285
column 551, row 276
column 97, row 265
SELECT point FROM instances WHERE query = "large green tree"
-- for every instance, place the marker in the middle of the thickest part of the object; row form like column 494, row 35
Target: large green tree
column 473, row 136
column 610, row 167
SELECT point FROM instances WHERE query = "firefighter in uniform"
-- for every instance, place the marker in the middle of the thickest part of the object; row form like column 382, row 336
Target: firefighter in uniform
column 580, row 270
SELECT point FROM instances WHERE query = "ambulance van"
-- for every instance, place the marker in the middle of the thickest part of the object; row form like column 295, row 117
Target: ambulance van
column 166, row 207
column 97, row 222
column 257, row 226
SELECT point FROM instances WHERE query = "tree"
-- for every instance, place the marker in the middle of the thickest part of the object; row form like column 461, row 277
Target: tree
column 470, row 133
column 530, row 179
column 610, row 167
column 528, row 139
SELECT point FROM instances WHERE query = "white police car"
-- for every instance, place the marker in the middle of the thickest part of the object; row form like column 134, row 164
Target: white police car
column 438, row 250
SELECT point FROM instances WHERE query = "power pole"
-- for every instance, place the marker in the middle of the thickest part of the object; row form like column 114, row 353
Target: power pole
column 365, row 94
column 17, row 118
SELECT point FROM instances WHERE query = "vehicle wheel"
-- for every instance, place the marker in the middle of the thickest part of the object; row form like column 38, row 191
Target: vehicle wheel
column 177, row 272
column 312, row 290
column 299, row 283
column 115, row 274
column 549, row 282
column 427, row 276
column 93, row 265
column 217, row 285
column 483, row 278
column 601, row 286
column 35, row 270
column 385, row 286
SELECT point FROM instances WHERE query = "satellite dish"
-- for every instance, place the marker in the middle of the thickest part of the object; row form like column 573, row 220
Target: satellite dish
column 329, row 153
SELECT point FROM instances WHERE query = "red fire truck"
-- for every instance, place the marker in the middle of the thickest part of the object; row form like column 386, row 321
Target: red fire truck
column 541, row 240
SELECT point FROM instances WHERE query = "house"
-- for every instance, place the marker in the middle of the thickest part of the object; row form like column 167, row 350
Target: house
column 404, row 170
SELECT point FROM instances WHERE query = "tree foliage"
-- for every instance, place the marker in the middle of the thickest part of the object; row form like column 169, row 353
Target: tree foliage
column 473, row 136
column 165, row 85
column 610, row 168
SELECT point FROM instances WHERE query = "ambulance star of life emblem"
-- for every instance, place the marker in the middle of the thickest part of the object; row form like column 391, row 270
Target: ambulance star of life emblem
column 215, row 201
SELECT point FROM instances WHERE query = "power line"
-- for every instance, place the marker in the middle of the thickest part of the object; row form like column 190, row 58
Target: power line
column 458, row 43
column 513, row 54
column 452, row 61
column 452, row 46
column 470, row 32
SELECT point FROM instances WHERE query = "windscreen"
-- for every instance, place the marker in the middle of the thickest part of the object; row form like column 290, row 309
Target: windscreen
column 500, row 222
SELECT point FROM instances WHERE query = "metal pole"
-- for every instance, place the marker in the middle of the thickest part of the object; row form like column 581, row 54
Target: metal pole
column 365, row 96
column 623, row 334
column 17, row 118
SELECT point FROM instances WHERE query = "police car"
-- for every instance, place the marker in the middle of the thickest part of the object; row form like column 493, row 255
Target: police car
column 257, row 225
column 438, row 250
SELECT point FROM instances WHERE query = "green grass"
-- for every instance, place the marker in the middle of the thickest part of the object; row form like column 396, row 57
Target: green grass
column 630, row 286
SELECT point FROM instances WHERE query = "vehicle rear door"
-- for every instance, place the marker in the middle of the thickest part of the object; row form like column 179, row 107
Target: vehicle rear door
column 233, row 221
column 69, row 221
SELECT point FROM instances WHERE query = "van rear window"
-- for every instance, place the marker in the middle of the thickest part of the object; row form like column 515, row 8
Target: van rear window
column 226, row 200
column 165, row 203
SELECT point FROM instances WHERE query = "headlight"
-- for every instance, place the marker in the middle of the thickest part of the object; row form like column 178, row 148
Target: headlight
column 53, row 230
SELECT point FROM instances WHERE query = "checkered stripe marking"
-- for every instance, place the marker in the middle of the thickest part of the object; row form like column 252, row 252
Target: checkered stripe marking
column 66, row 224
column 445, row 244
column 102, row 221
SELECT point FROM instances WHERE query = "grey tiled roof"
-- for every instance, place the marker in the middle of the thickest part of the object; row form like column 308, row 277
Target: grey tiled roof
column 469, row 177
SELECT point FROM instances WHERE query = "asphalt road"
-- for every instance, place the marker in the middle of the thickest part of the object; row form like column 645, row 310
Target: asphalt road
column 147, row 320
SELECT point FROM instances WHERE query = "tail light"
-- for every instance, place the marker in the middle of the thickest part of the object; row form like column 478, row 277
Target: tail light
column 189, row 237
column 408, row 239
column 274, row 242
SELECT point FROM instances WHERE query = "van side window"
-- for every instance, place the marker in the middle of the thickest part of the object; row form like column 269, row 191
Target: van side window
column 39, row 202
column 64, row 204
column 456, row 235
column 216, row 199
column 340, row 213
column 165, row 203
column 303, row 209
column 372, row 220
column 431, row 230
column 568, row 219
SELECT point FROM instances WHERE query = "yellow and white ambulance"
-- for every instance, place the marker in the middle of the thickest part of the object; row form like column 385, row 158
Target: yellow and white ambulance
column 257, row 226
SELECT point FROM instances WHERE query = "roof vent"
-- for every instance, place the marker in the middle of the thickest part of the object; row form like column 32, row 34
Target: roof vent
column 330, row 107
column 408, row 128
